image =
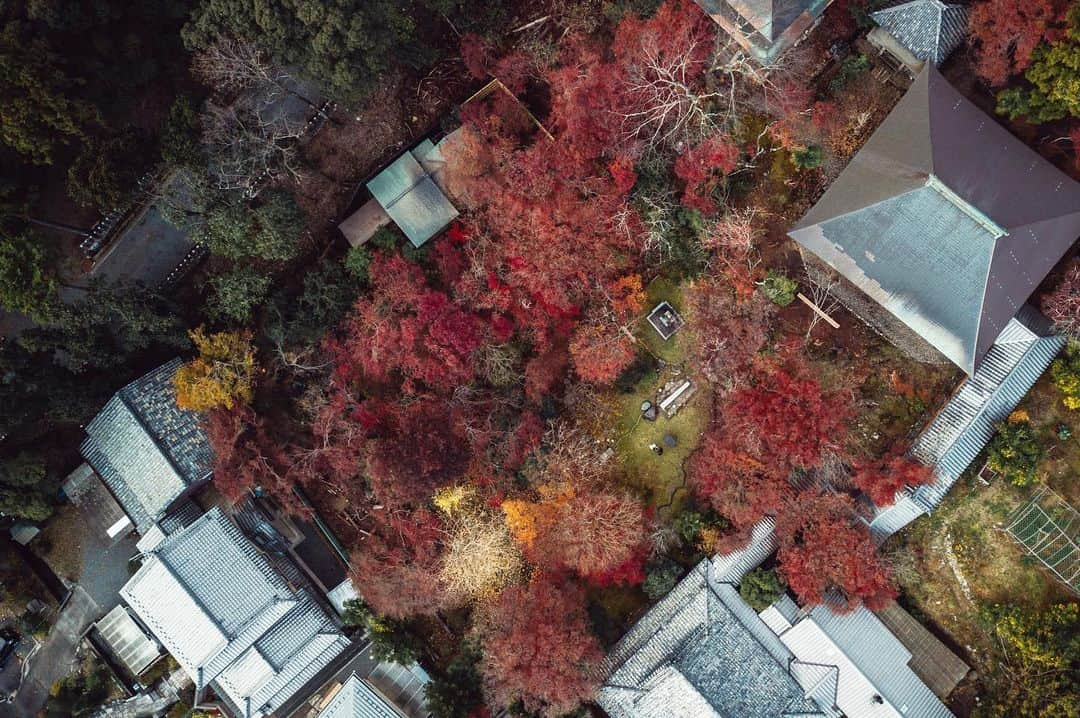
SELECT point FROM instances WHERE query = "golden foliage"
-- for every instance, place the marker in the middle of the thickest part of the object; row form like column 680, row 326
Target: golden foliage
column 220, row 376
column 452, row 499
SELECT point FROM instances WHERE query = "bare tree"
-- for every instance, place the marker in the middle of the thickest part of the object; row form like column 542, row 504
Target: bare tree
column 250, row 142
column 233, row 66
column 668, row 104
column 821, row 294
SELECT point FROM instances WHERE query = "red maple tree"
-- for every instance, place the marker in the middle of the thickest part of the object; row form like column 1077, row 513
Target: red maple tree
column 702, row 167
column 738, row 485
column 1006, row 32
column 600, row 352
column 406, row 330
column 789, row 417
column 881, row 479
column 538, row 647
column 826, row 550
column 1061, row 305
column 727, row 333
column 396, row 566
column 415, row 450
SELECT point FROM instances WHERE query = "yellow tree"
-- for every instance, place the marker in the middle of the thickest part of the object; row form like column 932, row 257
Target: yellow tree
column 220, row 376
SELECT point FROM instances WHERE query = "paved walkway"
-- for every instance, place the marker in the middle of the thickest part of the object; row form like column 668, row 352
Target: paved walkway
column 53, row 661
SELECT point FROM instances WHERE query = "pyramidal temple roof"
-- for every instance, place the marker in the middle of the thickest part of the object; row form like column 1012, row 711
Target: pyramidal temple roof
column 945, row 219
column 931, row 29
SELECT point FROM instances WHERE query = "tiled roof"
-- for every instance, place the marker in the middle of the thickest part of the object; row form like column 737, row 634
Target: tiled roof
column 930, row 29
column 147, row 450
column 701, row 645
column 357, row 699
column 865, row 659
column 946, row 220
column 229, row 618
column 968, row 421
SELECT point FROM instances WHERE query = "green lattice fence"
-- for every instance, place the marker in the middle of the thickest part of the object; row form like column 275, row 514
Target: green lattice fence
column 1049, row 529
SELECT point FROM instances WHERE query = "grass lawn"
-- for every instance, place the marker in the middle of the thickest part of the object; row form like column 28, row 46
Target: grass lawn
column 660, row 478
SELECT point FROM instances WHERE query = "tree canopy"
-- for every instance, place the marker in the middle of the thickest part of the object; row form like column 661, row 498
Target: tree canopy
column 343, row 45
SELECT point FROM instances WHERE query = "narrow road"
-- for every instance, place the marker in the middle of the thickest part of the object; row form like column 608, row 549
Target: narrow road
column 53, row 660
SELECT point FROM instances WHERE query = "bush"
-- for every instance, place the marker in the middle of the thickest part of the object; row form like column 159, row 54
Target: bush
column 852, row 67
column 688, row 525
column 390, row 640
column 1015, row 453
column 358, row 263
column 779, row 288
column 660, row 578
column 1065, row 372
column 808, row 158
column 237, row 294
column 761, row 587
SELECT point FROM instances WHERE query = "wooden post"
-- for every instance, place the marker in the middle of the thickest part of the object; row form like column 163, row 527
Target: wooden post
column 818, row 310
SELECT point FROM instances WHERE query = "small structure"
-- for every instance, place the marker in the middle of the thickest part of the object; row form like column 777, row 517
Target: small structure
column 149, row 453
column 127, row 642
column 234, row 621
column 919, row 31
column 648, row 411
column 765, row 28
column 23, row 532
column 944, row 220
column 665, row 320
column 674, row 395
column 411, row 193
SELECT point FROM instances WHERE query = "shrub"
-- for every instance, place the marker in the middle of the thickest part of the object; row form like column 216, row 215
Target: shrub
column 1015, row 452
column 390, row 640
column 808, row 158
column 779, row 288
column 1065, row 372
column 761, row 587
column 660, row 577
column 852, row 67
column 459, row 692
column 358, row 262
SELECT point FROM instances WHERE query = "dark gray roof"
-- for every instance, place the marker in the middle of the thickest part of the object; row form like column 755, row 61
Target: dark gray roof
column 945, row 219
column 766, row 26
column 146, row 449
column 931, row 29
column 230, row 619
column 957, row 434
column 704, row 653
